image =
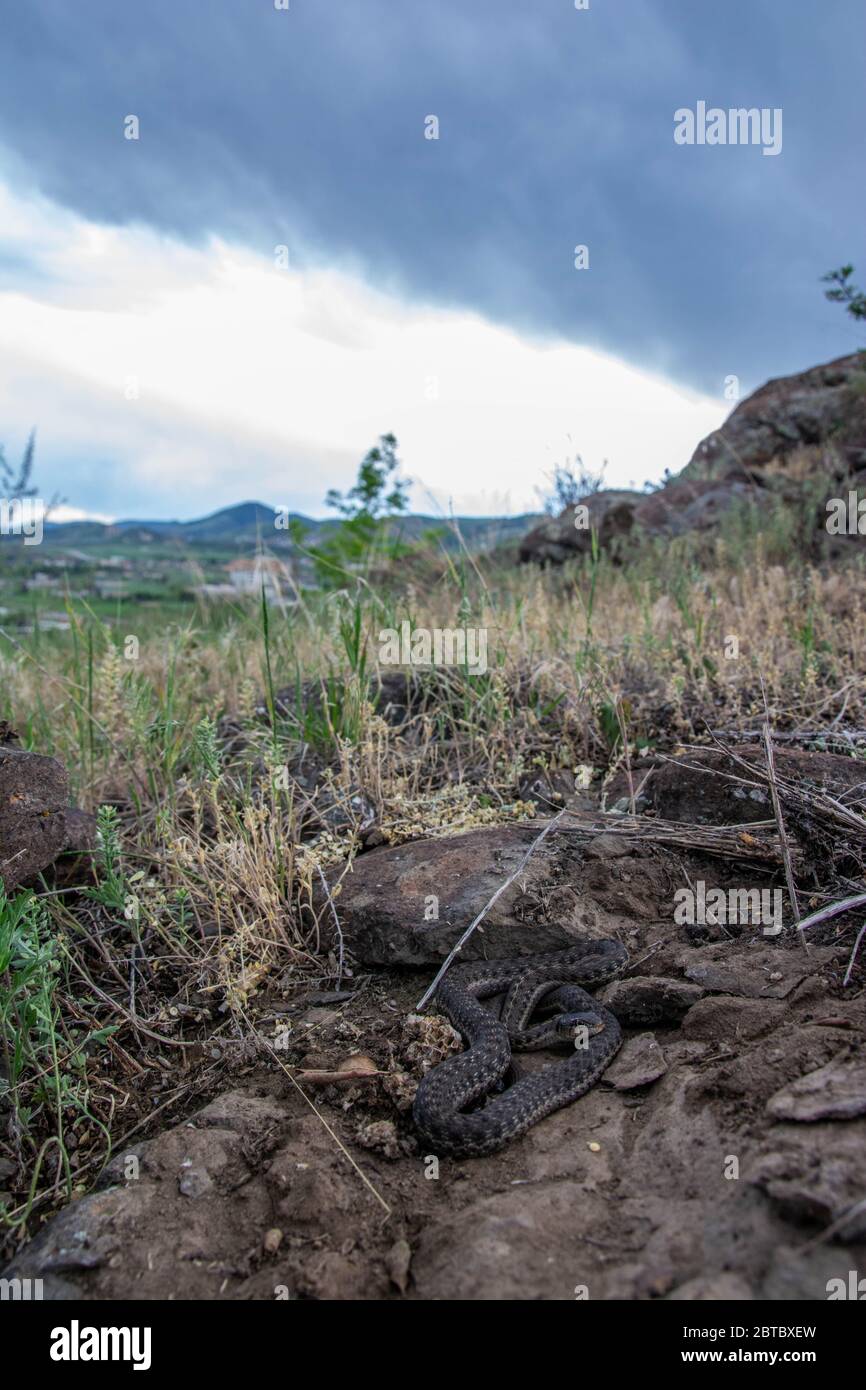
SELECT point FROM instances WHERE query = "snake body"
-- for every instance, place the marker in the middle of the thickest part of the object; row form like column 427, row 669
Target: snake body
column 443, row 1107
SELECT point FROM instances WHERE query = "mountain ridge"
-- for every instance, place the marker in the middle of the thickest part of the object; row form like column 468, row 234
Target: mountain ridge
column 248, row 521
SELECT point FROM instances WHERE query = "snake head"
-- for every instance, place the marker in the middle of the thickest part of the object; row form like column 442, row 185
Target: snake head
column 567, row 1025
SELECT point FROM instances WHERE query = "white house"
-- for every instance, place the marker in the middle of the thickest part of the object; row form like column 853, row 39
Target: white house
column 262, row 572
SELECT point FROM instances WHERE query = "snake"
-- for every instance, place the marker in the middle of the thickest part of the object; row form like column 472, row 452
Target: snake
column 464, row 1107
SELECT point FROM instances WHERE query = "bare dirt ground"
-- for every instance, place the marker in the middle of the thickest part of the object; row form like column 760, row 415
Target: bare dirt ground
column 725, row 1140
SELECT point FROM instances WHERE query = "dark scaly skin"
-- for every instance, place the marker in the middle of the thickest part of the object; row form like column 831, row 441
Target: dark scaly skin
column 445, row 1093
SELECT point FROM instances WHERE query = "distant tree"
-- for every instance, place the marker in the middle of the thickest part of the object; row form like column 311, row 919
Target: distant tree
column 369, row 497
column 377, row 496
column 844, row 292
column 18, row 483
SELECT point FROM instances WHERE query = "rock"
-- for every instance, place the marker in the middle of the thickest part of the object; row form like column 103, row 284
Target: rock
column 689, row 504
column 77, row 1241
column 195, row 1182
column 272, row 1240
column 780, row 436
column 794, row 1278
column 381, row 1137
column 549, row 790
column 621, row 517
column 383, row 900
column 815, row 1174
column 639, row 1063
column 397, row 1262
column 650, row 1000
column 824, row 405
column 759, row 972
column 74, row 865
column 836, row 1091
column 720, row 1019
column 527, row 1237
column 555, row 539
column 34, row 794
column 608, row 847
column 702, row 786
column 308, row 1196
column 334, row 1276
column 712, row 1287
column 250, row 1116
column 204, row 1204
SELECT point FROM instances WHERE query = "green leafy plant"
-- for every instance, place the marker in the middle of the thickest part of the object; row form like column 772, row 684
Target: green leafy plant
column 377, row 496
column 112, row 890
column 30, row 1018
column 205, row 749
column 844, row 292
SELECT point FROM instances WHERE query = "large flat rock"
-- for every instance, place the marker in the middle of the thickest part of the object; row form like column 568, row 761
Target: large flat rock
column 409, row 904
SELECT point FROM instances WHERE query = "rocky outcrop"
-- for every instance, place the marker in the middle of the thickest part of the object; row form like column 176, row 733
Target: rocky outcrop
column 558, row 538
column 622, row 518
column 778, row 437
column 824, row 406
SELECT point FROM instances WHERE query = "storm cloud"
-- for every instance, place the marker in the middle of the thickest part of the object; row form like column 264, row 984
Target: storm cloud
column 306, row 127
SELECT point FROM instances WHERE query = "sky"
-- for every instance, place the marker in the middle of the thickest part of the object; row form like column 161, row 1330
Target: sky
column 284, row 265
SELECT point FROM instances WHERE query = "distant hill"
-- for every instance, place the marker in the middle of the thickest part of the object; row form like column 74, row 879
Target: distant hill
column 243, row 525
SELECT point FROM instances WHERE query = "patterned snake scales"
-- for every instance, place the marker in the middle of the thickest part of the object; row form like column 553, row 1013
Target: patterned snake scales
column 442, row 1108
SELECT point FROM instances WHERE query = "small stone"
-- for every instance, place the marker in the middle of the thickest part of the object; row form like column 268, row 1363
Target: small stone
column 650, row 1000
column 708, row 1288
column 382, row 1137
column 640, row 1063
column 195, row 1182
column 272, row 1241
column 397, row 1262
column 836, row 1091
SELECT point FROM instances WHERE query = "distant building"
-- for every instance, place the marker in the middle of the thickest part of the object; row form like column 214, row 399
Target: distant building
column 40, row 580
column 263, row 572
column 110, row 588
column 215, row 591
column 47, row 622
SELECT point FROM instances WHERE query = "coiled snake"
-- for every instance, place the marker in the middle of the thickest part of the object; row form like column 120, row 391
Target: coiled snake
column 442, row 1107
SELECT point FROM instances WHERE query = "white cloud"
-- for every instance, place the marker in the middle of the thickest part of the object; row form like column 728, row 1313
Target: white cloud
column 63, row 513
column 254, row 381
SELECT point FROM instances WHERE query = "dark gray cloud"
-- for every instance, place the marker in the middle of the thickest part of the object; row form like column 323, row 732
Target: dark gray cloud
column 306, row 127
